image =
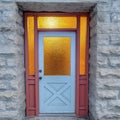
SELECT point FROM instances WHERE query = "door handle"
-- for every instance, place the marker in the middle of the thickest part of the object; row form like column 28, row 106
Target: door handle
column 40, row 71
column 40, row 78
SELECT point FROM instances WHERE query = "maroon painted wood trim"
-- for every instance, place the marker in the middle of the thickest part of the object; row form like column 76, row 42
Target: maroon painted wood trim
column 36, row 67
column 87, row 61
column 61, row 14
column 57, row 13
column 83, row 81
column 87, row 48
column 87, row 45
column 85, row 77
column 30, row 79
column 32, row 100
column 77, row 65
column 26, row 62
column 57, row 29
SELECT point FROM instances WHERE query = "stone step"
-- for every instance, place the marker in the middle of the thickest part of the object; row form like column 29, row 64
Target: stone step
column 55, row 118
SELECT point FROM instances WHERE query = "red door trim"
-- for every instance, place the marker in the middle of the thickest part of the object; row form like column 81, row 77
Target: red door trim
column 81, row 98
column 26, row 62
column 77, row 65
column 36, row 66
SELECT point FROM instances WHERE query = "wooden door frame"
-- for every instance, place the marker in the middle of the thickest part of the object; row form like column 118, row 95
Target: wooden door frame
column 81, row 82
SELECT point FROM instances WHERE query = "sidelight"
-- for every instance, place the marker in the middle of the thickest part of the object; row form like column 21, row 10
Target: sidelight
column 31, row 57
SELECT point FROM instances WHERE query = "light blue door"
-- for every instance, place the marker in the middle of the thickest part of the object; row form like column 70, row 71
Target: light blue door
column 57, row 72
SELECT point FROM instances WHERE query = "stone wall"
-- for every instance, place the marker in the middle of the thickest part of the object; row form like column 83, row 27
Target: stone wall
column 104, row 72
column 12, row 84
column 104, row 82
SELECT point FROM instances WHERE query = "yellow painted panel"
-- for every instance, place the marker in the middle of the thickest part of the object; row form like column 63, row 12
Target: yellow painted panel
column 83, row 39
column 30, row 32
column 56, row 22
column 57, row 55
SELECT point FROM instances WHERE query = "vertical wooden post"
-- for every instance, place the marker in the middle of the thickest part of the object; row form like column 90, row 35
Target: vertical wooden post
column 82, row 80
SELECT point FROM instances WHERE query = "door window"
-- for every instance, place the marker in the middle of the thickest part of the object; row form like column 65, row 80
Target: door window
column 57, row 55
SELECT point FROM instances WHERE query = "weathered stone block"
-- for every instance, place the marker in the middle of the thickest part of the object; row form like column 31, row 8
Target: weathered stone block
column 103, row 17
column 115, row 5
column 101, row 107
column 2, row 106
column 7, row 49
column 103, row 50
column 93, row 31
column 103, row 6
column 11, row 105
column 108, row 28
column 115, row 17
column 103, row 39
column 11, row 62
column 102, row 61
column 108, row 94
column 8, row 6
column 108, row 72
column 9, row 115
column 109, row 50
column 114, row 61
column 93, row 22
column 115, row 39
column 2, row 62
column 111, row 83
column 114, row 104
column 7, row 76
column 14, row 85
column 115, row 50
column 110, row 115
column 4, row 85
column 8, row 95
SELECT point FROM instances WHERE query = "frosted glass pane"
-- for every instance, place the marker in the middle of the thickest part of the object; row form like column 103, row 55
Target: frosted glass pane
column 30, row 32
column 57, row 22
column 57, row 55
column 83, row 34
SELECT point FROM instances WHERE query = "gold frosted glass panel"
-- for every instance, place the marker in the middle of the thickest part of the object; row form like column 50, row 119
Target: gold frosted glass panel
column 30, row 32
column 56, row 22
column 83, row 34
column 57, row 55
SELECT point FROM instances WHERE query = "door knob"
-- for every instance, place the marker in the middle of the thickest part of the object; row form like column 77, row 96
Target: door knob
column 40, row 78
column 40, row 71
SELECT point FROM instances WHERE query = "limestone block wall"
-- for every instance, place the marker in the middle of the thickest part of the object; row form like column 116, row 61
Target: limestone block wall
column 104, row 62
column 104, row 82
column 12, row 84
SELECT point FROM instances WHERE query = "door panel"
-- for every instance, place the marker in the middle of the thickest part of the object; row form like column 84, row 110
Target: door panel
column 57, row 65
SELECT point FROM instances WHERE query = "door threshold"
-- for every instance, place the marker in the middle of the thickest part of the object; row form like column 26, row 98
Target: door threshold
column 57, row 115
